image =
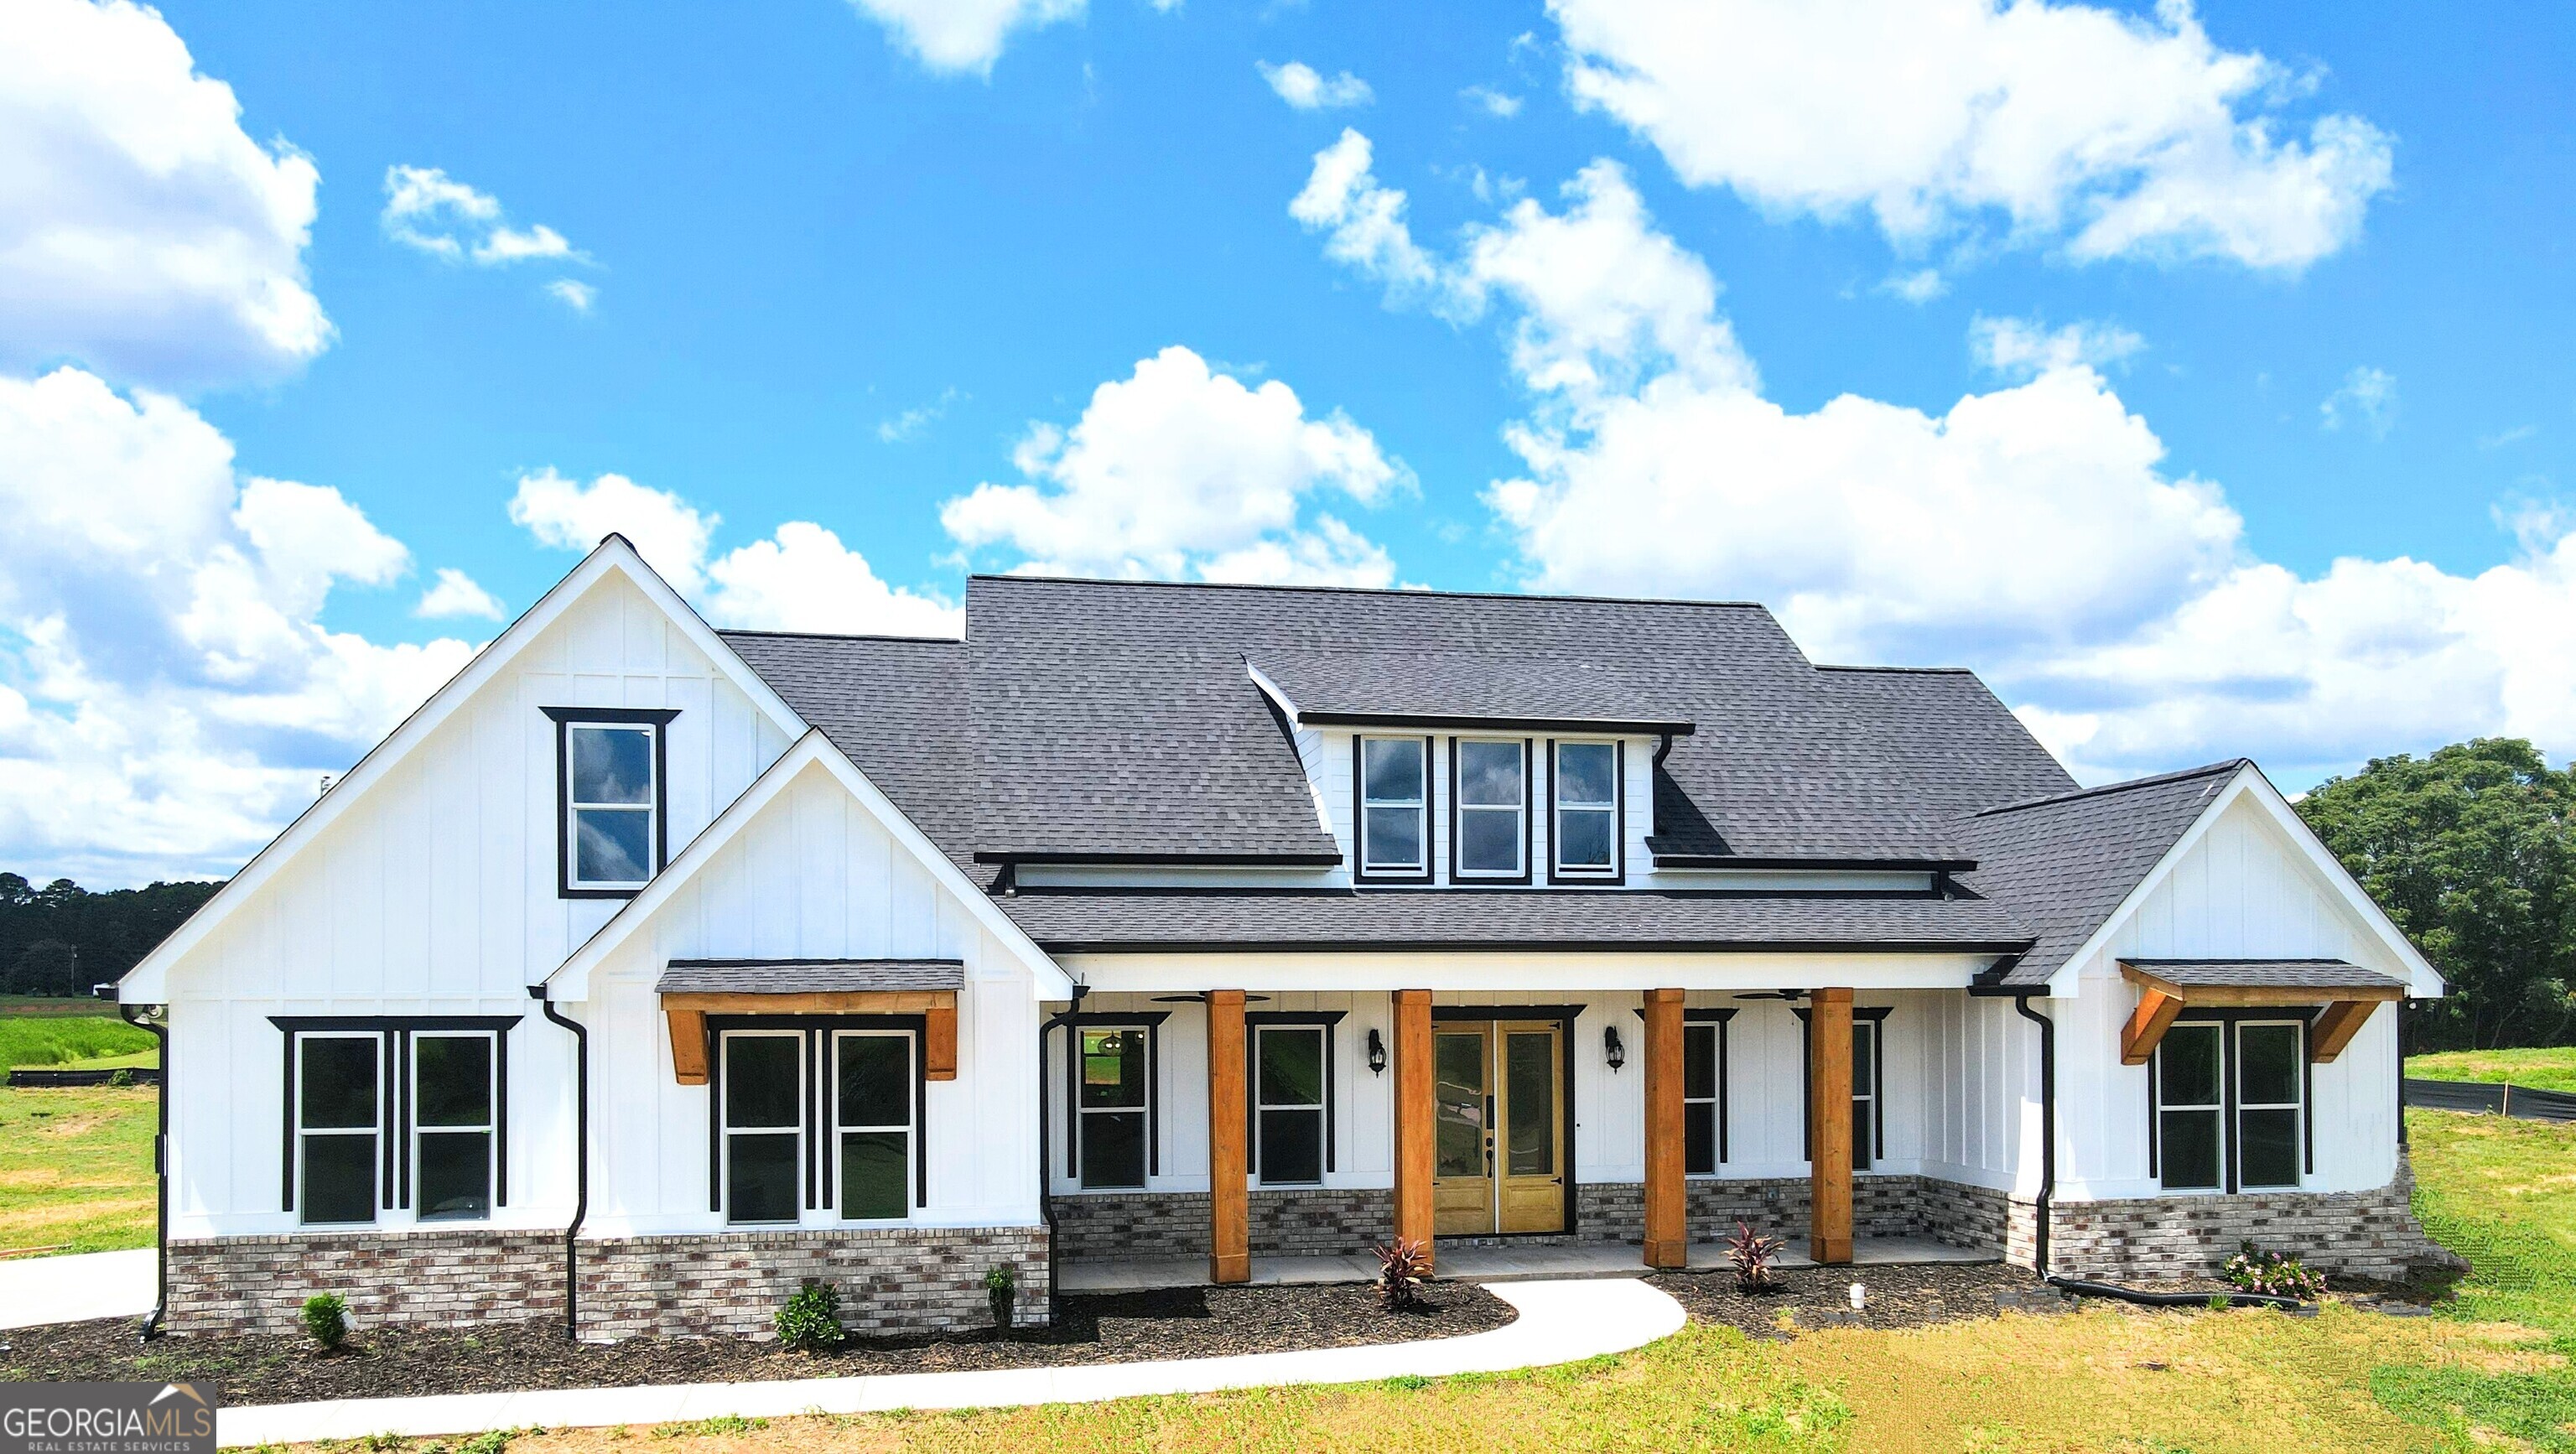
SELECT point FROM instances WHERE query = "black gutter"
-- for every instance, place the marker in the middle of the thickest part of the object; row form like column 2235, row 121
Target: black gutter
column 160, row 1170
column 1046, row 1202
column 1879, row 865
column 1073, row 859
column 581, row 1156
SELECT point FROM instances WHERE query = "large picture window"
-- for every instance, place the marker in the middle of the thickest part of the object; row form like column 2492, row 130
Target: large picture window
column 610, row 766
column 405, row 1116
column 764, row 1124
column 1288, row 1103
column 339, row 1114
column 1115, row 1084
column 872, row 1120
column 2230, row 1104
column 1585, row 794
column 1394, row 820
column 1492, row 810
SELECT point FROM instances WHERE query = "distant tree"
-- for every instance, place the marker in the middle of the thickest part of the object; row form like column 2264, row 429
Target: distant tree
column 2472, row 851
column 62, row 939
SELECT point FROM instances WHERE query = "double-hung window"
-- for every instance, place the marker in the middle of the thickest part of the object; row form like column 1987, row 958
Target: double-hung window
column 610, row 765
column 872, row 1120
column 406, row 1115
column 453, row 1085
column 764, row 1123
column 2230, row 1104
column 339, row 1113
column 1395, row 828
column 1493, row 809
column 1864, row 1078
column 1288, row 1103
column 1113, row 1120
column 1703, row 1098
column 1586, row 819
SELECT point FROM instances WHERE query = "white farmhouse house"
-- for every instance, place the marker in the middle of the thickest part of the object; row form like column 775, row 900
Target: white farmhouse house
column 650, row 971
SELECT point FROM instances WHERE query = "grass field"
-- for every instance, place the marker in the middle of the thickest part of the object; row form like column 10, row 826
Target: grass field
column 2552, row 1068
column 76, row 1168
column 87, row 1040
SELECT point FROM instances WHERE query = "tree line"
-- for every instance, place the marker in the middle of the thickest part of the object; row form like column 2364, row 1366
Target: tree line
column 62, row 939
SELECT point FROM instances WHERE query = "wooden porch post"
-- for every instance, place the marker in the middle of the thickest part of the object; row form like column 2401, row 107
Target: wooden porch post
column 1667, row 1213
column 1229, row 1202
column 1413, row 1117
column 1829, row 1112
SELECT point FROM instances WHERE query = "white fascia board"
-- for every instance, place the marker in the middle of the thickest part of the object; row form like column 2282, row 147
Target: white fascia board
column 570, row 980
column 1275, row 692
column 1535, row 972
column 148, row 981
column 2423, row 980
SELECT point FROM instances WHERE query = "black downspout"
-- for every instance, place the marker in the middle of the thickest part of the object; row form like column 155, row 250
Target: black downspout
column 1046, row 1203
column 160, row 1170
column 581, row 1156
column 2047, row 1126
column 2400, row 1008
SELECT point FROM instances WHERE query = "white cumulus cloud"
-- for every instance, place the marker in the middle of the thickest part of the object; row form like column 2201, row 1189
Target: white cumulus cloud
column 1306, row 89
column 427, row 209
column 800, row 579
column 1179, row 471
column 2023, row 347
column 455, row 594
column 2103, row 133
column 2366, row 401
column 167, row 690
column 963, row 35
column 142, row 230
column 573, row 294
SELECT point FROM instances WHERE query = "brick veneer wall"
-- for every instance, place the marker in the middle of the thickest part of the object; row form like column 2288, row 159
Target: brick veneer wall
column 2365, row 1234
column 901, row 1279
column 1108, row 1225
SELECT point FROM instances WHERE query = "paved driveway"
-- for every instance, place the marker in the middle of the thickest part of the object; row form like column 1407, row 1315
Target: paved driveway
column 37, row 1290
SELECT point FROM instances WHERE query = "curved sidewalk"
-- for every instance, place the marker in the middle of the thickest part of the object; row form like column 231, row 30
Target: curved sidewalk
column 1559, row 1322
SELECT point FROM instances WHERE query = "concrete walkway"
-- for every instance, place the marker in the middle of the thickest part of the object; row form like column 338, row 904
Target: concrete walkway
column 36, row 1290
column 1559, row 1322
column 1503, row 1262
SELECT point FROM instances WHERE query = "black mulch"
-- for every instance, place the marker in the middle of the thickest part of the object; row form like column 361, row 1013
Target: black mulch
column 1897, row 1297
column 492, row 1357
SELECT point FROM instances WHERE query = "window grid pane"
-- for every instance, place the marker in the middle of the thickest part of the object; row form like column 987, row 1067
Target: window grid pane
column 1288, row 1099
column 1115, row 1085
column 611, row 765
column 1585, row 776
column 610, row 802
column 1584, row 838
column 876, row 1175
column 1699, row 1099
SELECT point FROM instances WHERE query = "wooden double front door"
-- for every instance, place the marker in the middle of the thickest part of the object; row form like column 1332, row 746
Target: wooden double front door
column 1498, row 1138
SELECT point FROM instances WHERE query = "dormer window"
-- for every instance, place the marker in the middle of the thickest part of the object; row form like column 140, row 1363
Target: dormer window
column 1395, row 797
column 1584, row 826
column 610, row 764
column 1492, row 797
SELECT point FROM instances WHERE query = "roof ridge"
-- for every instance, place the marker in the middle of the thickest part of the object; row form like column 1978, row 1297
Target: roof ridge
column 1964, row 671
column 1404, row 591
column 732, row 631
column 2232, row 764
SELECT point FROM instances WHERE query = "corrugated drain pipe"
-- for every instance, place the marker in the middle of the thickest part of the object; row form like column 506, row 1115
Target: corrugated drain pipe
column 581, row 1156
column 160, row 1032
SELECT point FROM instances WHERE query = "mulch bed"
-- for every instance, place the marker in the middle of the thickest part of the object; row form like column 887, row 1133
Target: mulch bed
column 1898, row 1297
column 495, row 1357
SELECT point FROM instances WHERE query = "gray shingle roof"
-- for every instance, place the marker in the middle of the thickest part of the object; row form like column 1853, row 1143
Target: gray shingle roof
column 2064, row 862
column 1437, row 918
column 2286, row 974
column 1463, row 688
column 808, row 976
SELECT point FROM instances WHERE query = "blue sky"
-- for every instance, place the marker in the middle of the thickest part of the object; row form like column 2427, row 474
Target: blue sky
column 2077, row 346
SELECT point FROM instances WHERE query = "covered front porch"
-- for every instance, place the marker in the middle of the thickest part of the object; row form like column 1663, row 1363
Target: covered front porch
column 1489, row 1262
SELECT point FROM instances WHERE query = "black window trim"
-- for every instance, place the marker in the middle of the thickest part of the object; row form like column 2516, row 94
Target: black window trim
column 1617, row 874
column 393, row 1099
column 1718, row 1020
column 1361, row 873
column 1458, row 809
column 813, row 1051
column 1329, row 1021
column 1877, row 1016
column 2228, row 1020
column 565, row 718
column 1151, row 1022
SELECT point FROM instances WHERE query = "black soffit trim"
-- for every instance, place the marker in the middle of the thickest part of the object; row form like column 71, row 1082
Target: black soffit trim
column 1635, row 727
column 1043, row 857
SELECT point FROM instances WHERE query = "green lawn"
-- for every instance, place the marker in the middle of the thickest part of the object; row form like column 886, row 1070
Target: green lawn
column 2552, row 1068
column 76, row 1168
column 85, row 1040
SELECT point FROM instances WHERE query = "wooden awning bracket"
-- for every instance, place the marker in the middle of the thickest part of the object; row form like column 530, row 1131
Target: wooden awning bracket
column 688, row 1013
column 2161, row 1002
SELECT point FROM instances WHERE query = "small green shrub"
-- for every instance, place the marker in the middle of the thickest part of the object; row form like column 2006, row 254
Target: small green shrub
column 2276, row 1273
column 120, row 1077
column 326, row 1317
column 811, row 1320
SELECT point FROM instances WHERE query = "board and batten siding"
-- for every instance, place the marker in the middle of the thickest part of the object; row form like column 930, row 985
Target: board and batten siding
column 2242, row 891
column 812, row 875
column 435, row 894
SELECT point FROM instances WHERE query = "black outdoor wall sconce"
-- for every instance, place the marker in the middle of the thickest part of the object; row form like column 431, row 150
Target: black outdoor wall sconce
column 1376, row 1053
column 1610, row 1047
